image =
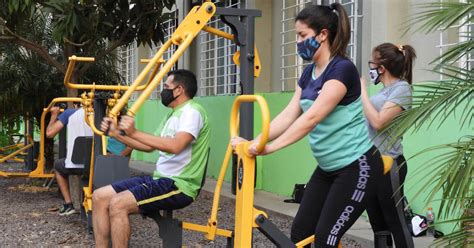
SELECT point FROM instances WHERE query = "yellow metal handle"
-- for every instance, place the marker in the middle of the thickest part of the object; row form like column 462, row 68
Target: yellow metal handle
column 235, row 58
column 234, row 116
column 146, row 61
column 81, row 59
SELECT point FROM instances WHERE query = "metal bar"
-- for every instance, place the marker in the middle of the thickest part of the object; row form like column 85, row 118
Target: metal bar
column 13, row 154
column 205, row 229
column 70, row 69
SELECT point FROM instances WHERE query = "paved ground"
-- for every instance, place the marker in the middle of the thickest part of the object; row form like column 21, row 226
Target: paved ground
column 29, row 218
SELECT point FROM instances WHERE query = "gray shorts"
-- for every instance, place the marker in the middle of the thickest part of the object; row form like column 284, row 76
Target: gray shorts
column 60, row 167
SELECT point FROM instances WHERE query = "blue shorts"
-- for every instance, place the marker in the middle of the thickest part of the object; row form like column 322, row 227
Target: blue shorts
column 153, row 195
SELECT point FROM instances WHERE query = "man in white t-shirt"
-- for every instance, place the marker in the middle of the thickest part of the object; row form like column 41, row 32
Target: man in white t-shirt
column 182, row 140
column 76, row 127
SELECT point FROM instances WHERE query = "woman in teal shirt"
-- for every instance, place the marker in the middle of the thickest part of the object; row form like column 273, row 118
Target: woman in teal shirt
column 327, row 107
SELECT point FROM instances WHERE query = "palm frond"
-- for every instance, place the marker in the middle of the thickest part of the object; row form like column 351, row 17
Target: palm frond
column 437, row 101
column 441, row 16
column 454, row 239
column 451, row 172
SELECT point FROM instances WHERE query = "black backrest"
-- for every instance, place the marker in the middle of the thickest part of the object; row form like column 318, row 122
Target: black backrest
column 109, row 169
column 81, row 152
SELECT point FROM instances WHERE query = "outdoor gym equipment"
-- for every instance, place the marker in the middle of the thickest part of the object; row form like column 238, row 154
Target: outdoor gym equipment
column 39, row 172
column 241, row 22
column 16, row 152
column 95, row 102
column 242, row 25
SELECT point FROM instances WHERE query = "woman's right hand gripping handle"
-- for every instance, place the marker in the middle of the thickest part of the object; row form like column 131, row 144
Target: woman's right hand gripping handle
column 258, row 145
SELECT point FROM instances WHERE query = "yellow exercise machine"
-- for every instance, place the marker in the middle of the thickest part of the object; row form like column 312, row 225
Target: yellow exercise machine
column 189, row 28
column 39, row 172
column 11, row 152
column 242, row 23
column 95, row 102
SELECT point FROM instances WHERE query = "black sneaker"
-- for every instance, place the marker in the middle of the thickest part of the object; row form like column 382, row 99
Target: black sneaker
column 67, row 209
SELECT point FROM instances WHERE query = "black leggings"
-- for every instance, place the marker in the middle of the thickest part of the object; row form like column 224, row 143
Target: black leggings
column 386, row 209
column 333, row 201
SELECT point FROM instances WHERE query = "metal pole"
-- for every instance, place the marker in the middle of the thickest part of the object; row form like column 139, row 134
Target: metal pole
column 99, row 113
column 242, row 24
column 29, row 163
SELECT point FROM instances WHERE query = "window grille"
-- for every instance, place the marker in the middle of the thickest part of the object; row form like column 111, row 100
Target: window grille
column 169, row 27
column 218, row 73
column 454, row 35
column 128, row 62
column 291, row 64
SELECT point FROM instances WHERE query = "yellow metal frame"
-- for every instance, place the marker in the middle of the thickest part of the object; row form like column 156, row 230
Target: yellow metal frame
column 12, row 156
column 88, row 97
column 87, row 201
column 245, row 212
column 39, row 171
column 19, row 147
column 185, row 33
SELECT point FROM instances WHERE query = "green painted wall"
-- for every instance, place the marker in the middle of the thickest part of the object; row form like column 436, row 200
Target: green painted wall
column 278, row 172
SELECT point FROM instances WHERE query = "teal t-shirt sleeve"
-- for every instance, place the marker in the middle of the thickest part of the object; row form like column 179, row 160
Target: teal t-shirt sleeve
column 401, row 95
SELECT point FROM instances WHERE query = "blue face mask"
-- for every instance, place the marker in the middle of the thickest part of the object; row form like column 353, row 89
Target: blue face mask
column 307, row 48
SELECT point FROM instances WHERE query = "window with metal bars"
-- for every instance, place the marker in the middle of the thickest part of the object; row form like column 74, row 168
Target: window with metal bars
column 455, row 35
column 291, row 64
column 169, row 27
column 128, row 62
column 218, row 73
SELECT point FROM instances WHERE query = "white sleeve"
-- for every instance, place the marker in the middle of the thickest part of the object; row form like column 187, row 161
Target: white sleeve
column 190, row 122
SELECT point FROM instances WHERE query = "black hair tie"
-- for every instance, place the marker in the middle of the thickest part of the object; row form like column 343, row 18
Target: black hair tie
column 333, row 7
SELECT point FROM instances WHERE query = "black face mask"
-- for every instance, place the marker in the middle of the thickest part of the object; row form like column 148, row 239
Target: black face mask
column 167, row 96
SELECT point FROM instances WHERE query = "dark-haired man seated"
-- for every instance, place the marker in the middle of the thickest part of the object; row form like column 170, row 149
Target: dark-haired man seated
column 182, row 140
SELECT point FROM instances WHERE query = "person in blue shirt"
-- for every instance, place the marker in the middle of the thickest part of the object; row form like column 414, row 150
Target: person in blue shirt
column 63, row 168
column 118, row 148
column 327, row 107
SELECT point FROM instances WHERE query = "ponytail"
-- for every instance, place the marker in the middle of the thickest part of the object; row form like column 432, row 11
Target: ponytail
column 409, row 55
column 333, row 18
column 398, row 60
column 343, row 33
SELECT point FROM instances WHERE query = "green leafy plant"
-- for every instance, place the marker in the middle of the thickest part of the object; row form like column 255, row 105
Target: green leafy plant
column 451, row 168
